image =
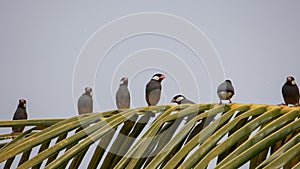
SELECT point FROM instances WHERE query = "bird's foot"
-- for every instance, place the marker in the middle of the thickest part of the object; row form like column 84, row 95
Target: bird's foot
column 282, row 104
column 220, row 103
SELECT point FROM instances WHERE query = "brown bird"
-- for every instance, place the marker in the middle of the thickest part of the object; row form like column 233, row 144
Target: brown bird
column 123, row 95
column 153, row 89
column 85, row 102
column 290, row 91
column 20, row 114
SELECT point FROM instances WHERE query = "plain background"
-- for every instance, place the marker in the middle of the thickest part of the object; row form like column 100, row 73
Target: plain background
column 40, row 42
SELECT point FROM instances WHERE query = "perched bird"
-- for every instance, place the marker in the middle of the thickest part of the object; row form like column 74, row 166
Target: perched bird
column 290, row 91
column 225, row 91
column 123, row 95
column 85, row 102
column 153, row 89
column 180, row 99
column 20, row 114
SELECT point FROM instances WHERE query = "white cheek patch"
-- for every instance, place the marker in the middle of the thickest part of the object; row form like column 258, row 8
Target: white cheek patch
column 24, row 105
column 179, row 99
column 293, row 82
column 155, row 78
column 91, row 93
column 121, row 82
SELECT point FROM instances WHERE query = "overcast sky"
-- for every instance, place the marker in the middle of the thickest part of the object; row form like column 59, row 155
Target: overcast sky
column 51, row 50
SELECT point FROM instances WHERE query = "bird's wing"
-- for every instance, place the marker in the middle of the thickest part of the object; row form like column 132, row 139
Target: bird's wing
column 153, row 91
column 187, row 101
column 85, row 104
column 225, row 87
column 123, row 98
column 154, row 97
column 20, row 114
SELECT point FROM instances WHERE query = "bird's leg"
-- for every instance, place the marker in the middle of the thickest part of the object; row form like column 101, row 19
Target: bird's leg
column 230, row 101
column 220, row 102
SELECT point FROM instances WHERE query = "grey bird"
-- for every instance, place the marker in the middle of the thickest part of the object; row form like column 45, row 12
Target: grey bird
column 153, row 89
column 123, row 95
column 290, row 91
column 20, row 114
column 225, row 91
column 85, row 102
column 180, row 99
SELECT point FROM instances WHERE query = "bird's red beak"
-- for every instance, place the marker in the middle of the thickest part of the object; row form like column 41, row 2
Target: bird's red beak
column 22, row 101
column 162, row 77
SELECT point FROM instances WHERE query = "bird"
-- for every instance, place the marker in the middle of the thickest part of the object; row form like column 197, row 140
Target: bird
column 85, row 102
column 290, row 91
column 153, row 89
column 225, row 91
column 20, row 114
column 180, row 99
column 123, row 95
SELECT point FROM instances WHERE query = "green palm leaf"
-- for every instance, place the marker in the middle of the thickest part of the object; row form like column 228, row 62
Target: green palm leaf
column 185, row 136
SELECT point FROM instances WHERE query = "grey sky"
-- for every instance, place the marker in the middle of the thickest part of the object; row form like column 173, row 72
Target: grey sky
column 257, row 42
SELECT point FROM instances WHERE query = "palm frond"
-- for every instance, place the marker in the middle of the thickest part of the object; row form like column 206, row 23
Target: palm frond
column 185, row 136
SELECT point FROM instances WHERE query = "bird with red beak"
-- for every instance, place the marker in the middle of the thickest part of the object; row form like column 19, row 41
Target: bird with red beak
column 153, row 89
column 20, row 114
column 290, row 92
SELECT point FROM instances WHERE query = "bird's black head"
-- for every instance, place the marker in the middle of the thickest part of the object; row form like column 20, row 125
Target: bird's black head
column 124, row 81
column 229, row 81
column 158, row 77
column 177, row 99
column 22, row 103
column 88, row 90
column 290, row 80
